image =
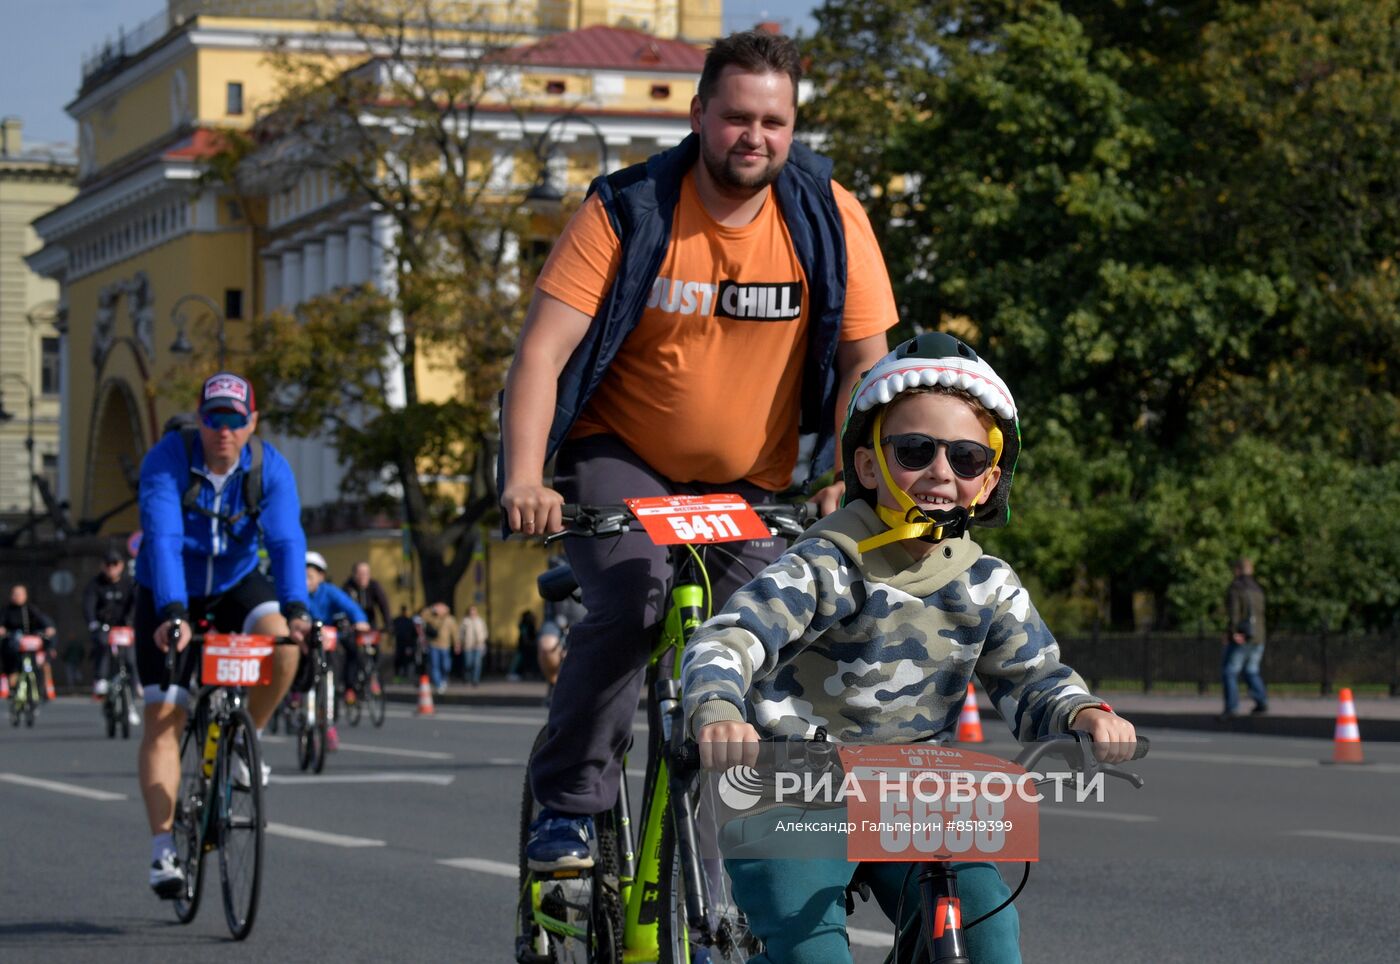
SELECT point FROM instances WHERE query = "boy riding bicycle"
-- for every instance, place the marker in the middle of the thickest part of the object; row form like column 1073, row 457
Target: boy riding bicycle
column 871, row 627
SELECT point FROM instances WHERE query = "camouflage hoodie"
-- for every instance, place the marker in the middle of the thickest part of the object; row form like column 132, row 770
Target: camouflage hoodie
column 877, row 647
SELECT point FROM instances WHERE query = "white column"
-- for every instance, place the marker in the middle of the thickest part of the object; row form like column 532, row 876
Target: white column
column 357, row 255
column 272, row 284
column 291, row 279
column 335, row 261
column 313, row 270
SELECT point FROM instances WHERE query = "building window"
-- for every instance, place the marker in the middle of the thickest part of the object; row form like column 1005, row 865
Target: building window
column 554, row 87
column 235, row 98
column 233, row 304
column 50, row 369
column 660, row 91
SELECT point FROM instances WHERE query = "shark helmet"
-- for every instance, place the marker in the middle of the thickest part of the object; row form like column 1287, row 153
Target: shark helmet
column 929, row 360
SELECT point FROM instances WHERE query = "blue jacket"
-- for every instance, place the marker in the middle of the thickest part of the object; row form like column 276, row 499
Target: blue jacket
column 329, row 600
column 640, row 202
column 185, row 554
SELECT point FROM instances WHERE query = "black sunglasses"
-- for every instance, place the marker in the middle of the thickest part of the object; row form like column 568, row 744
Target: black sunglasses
column 967, row 458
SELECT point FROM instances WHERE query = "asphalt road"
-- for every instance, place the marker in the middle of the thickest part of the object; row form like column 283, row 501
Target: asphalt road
column 1240, row 848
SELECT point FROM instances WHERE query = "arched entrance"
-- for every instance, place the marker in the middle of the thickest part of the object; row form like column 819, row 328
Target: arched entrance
column 114, row 453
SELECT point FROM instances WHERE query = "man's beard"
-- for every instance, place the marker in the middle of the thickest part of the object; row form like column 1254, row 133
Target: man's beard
column 726, row 175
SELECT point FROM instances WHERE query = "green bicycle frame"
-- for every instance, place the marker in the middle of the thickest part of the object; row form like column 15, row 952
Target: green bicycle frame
column 642, row 896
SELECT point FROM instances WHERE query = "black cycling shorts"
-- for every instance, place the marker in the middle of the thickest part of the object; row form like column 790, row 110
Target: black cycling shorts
column 228, row 612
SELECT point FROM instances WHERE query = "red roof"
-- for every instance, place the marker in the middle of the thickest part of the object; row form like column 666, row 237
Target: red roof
column 201, row 143
column 609, row 48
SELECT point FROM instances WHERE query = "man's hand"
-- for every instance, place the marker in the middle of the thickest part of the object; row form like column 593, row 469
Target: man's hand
column 298, row 629
column 726, row 744
column 362, row 627
column 162, row 637
column 1114, row 738
column 828, row 499
column 532, row 509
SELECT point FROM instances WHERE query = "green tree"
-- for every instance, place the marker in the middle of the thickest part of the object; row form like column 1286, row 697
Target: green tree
column 1171, row 226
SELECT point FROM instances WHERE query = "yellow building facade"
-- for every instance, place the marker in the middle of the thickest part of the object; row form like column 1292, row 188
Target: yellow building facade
column 155, row 267
column 34, row 178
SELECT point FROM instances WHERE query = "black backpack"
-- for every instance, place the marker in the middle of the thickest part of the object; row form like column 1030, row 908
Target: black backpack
column 187, row 424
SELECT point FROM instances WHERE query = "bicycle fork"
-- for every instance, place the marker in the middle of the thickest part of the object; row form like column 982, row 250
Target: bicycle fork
column 942, row 918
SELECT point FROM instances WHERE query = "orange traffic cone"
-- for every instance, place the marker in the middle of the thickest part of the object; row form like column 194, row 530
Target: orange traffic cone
column 4, row 686
column 969, row 720
column 1346, row 743
column 425, row 697
column 49, row 693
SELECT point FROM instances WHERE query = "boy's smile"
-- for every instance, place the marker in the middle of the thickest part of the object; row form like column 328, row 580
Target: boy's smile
column 936, row 486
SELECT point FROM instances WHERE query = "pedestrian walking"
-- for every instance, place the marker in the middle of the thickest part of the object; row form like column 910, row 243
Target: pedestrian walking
column 405, row 630
column 440, row 630
column 473, row 644
column 1244, row 640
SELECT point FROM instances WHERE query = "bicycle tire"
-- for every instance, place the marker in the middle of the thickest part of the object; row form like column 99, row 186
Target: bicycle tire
column 241, row 821
column 354, row 710
column 111, row 717
column 378, row 699
column 676, row 943
column 306, row 745
column 124, row 711
column 188, row 825
column 323, row 717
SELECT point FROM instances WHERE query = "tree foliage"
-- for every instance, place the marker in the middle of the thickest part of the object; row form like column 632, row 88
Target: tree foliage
column 1172, row 227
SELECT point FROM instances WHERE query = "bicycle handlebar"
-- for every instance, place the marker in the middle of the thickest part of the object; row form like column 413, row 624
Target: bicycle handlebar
column 174, row 653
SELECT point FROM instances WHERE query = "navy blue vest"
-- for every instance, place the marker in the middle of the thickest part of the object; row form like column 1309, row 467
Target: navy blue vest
column 641, row 202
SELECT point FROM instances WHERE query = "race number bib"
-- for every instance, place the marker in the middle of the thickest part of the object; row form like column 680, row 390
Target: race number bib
column 31, row 644
column 237, row 659
column 698, row 519
column 121, row 637
column 931, row 802
column 367, row 638
column 330, row 638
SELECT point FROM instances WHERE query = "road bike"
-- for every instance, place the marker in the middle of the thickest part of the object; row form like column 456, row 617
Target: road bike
column 117, row 704
column 24, row 701
column 652, row 899
column 317, row 713
column 366, row 685
column 219, row 805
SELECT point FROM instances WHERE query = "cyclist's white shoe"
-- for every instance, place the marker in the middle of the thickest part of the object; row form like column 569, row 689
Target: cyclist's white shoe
column 240, row 773
column 167, row 879
column 133, row 716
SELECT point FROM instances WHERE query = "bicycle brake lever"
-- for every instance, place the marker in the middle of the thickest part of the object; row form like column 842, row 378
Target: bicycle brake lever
column 1122, row 774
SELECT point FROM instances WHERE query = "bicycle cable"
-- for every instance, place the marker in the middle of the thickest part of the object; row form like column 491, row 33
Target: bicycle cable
column 1025, row 876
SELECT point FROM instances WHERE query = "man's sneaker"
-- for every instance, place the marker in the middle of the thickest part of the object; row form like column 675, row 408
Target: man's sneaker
column 167, row 879
column 241, row 776
column 1259, row 708
column 350, row 697
column 559, row 841
column 332, row 739
column 133, row 716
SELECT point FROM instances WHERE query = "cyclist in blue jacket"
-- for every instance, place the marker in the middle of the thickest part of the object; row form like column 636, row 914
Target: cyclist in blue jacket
column 209, row 496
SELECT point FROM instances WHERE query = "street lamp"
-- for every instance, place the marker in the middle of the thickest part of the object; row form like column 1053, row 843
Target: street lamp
column 543, row 190
column 181, row 345
column 28, row 440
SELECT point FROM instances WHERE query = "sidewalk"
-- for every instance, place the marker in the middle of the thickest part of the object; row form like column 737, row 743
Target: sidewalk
column 1379, row 718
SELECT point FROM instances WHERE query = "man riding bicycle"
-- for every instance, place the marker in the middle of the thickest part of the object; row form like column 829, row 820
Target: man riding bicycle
column 23, row 618
column 698, row 311
column 209, row 495
column 332, row 607
column 109, row 599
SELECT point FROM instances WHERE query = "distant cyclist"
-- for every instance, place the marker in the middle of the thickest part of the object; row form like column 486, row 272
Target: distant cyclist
column 698, row 312
column 369, row 596
column 23, row 618
column 333, row 607
column 109, row 599
column 210, row 494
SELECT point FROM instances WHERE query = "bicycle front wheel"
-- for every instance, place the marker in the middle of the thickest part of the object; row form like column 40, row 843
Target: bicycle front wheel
column 188, row 828
column 729, row 938
column 240, row 815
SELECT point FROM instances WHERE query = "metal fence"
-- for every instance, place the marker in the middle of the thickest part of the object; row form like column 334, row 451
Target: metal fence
column 1159, row 660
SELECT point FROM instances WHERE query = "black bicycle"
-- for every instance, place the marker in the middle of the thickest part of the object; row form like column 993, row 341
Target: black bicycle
column 365, row 684
column 317, row 712
column 219, row 805
column 117, row 704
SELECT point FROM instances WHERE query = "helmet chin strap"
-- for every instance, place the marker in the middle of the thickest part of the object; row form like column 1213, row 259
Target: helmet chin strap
column 912, row 522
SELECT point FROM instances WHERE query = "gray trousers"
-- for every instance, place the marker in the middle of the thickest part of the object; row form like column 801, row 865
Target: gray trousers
column 625, row 583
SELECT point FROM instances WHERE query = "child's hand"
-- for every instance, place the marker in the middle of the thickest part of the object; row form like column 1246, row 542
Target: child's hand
column 1115, row 738
column 728, row 744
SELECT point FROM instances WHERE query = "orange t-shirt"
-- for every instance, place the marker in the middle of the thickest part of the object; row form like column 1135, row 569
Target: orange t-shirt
column 707, row 387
